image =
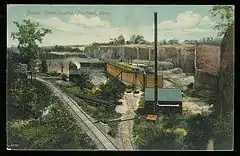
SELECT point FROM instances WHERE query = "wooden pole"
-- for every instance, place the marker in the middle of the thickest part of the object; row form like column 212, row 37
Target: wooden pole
column 156, row 71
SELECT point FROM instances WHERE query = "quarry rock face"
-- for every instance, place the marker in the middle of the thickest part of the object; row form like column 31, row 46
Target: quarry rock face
column 226, row 75
column 185, row 58
column 207, row 67
column 180, row 55
column 208, row 58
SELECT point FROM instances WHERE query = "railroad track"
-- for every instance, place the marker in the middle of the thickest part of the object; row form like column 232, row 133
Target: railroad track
column 100, row 136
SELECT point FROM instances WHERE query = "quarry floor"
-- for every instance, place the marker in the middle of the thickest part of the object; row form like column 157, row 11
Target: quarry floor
column 191, row 106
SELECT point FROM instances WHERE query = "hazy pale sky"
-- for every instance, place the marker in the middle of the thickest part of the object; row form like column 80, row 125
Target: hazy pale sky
column 85, row 24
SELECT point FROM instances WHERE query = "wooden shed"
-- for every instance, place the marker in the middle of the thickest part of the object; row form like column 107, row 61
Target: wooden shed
column 169, row 100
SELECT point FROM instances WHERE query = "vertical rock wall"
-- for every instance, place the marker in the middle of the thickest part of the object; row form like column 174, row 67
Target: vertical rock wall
column 181, row 55
column 226, row 73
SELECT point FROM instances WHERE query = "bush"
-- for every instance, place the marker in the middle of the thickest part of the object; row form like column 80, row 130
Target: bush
column 199, row 132
column 141, row 103
column 44, row 67
column 57, row 130
column 27, row 100
column 165, row 133
column 112, row 90
column 83, row 79
column 64, row 77
column 223, row 132
column 113, row 129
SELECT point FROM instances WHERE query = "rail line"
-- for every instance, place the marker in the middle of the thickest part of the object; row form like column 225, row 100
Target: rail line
column 102, row 138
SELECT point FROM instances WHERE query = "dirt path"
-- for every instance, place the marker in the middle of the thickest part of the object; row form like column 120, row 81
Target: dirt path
column 129, row 105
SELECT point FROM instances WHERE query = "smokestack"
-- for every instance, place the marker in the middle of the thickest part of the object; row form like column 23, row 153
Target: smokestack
column 156, row 72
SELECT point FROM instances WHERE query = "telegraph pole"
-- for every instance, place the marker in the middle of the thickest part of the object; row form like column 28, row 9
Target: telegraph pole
column 156, row 71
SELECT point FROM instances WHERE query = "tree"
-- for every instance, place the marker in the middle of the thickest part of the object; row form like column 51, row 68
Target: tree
column 173, row 41
column 208, row 39
column 121, row 39
column 128, row 42
column 112, row 90
column 82, row 79
column 204, row 40
column 170, row 41
column 137, row 39
column 164, row 42
column 27, row 35
column 43, row 66
column 186, row 41
column 226, row 15
column 59, row 48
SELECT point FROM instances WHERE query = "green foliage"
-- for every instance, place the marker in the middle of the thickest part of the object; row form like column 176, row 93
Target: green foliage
column 44, row 66
column 161, row 134
column 27, row 35
column 164, row 42
column 121, row 39
column 141, row 103
column 117, row 41
column 173, row 41
column 137, row 39
column 64, row 77
column 113, row 129
column 225, row 13
column 26, row 100
column 223, row 132
column 199, row 132
column 82, row 79
column 123, row 66
column 112, row 90
column 99, row 111
column 56, row 131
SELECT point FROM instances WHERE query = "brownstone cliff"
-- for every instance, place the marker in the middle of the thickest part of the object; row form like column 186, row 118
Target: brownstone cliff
column 226, row 73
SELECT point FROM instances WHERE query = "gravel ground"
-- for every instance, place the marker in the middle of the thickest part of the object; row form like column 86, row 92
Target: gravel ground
column 191, row 105
column 129, row 105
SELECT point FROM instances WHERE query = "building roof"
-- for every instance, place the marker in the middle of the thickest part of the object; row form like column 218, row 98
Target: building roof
column 164, row 94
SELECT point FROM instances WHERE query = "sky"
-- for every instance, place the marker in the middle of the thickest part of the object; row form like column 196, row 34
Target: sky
column 85, row 24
